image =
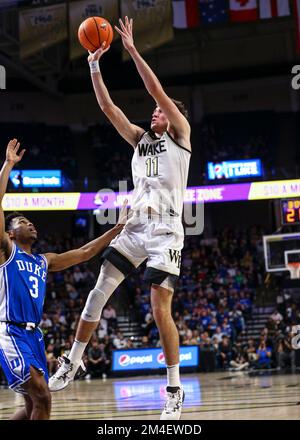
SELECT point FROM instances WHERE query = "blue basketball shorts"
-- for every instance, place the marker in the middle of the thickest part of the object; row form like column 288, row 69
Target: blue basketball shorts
column 20, row 349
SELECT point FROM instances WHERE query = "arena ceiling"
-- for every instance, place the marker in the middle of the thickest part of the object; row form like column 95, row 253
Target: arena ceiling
column 228, row 52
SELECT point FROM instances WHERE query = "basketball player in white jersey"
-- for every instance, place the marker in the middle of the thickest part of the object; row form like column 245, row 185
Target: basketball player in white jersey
column 154, row 232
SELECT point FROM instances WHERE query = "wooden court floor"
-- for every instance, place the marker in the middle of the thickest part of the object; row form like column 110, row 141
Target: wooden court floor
column 209, row 396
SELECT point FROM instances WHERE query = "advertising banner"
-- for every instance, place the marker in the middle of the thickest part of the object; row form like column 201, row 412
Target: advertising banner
column 151, row 358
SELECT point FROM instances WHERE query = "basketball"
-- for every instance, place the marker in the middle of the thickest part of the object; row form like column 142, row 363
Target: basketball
column 93, row 32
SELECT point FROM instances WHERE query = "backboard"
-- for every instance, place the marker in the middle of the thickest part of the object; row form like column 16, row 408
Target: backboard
column 280, row 249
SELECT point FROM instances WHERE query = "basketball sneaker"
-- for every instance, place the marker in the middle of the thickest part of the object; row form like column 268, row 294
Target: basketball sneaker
column 66, row 372
column 173, row 405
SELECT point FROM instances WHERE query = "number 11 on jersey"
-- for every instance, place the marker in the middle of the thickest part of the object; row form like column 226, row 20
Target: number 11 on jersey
column 152, row 167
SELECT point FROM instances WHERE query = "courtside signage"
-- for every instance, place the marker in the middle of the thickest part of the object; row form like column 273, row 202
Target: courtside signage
column 151, row 358
column 109, row 200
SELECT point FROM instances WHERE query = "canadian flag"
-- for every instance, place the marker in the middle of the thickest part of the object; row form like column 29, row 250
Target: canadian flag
column 274, row 8
column 185, row 14
column 243, row 10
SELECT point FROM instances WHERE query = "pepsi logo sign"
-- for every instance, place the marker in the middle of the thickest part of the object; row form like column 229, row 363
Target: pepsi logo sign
column 124, row 360
column 161, row 358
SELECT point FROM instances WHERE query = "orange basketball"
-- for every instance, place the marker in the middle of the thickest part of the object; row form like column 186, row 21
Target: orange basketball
column 93, row 32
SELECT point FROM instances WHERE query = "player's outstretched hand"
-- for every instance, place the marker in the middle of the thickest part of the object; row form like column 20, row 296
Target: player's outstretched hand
column 123, row 214
column 126, row 33
column 12, row 149
column 95, row 56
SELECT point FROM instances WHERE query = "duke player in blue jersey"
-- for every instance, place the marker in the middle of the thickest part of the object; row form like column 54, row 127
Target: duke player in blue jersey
column 22, row 292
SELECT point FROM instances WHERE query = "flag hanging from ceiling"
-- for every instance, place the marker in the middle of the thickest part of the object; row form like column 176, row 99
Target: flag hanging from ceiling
column 274, row 8
column 243, row 10
column 185, row 14
column 213, row 11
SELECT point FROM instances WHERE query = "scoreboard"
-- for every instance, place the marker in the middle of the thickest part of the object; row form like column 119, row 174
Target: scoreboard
column 290, row 212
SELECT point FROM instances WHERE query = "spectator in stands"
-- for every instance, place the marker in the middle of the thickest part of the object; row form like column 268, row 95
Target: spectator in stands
column 227, row 329
column 78, row 276
column 239, row 361
column 276, row 317
column 102, row 328
column 149, row 322
column 129, row 343
column 119, row 341
column 109, row 313
column 97, row 360
column 225, row 354
column 46, row 322
column 144, row 342
column 51, row 359
column 264, row 355
column 285, row 354
column 218, row 335
column 250, row 352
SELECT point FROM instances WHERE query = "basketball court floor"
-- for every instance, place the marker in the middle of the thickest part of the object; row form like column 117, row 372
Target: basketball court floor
column 209, row 396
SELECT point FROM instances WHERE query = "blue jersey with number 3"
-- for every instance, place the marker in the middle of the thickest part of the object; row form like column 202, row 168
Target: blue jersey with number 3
column 22, row 286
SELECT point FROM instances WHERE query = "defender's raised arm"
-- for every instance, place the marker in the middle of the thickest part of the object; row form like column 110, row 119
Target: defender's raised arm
column 12, row 157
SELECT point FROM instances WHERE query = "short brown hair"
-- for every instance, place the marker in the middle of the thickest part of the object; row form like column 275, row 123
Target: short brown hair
column 181, row 107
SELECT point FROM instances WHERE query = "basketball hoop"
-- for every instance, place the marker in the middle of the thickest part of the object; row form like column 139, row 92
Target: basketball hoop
column 294, row 269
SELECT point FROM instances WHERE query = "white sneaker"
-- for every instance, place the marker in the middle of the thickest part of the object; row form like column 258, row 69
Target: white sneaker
column 173, row 405
column 65, row 374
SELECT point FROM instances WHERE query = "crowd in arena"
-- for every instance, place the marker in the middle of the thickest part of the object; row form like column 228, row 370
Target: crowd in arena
column 212, row 303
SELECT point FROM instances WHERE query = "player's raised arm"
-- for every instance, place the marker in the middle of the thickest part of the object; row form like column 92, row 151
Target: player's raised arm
column 152, row 83
column 12, row 157
column 57, row 262
column 130, row 132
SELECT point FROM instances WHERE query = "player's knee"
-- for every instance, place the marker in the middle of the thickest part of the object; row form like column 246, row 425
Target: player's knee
column 93, row 306
column 109, row 279
column 161, row 313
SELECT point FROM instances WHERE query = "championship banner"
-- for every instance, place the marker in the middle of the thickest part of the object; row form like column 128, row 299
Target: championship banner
column 152, row 23
column 40, row 28
column 79, row 11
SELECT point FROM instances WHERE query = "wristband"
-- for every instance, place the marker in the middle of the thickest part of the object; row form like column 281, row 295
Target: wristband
column 94, row 66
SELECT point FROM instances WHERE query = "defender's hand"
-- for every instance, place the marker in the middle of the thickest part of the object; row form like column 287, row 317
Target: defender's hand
column 126, row 33
column 123, row 214
column 12, row 149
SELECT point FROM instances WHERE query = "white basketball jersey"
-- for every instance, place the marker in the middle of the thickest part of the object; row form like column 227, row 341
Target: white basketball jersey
column 160, row 171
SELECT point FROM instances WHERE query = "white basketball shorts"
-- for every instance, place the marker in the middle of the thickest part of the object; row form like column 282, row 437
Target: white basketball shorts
column 153, row 239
